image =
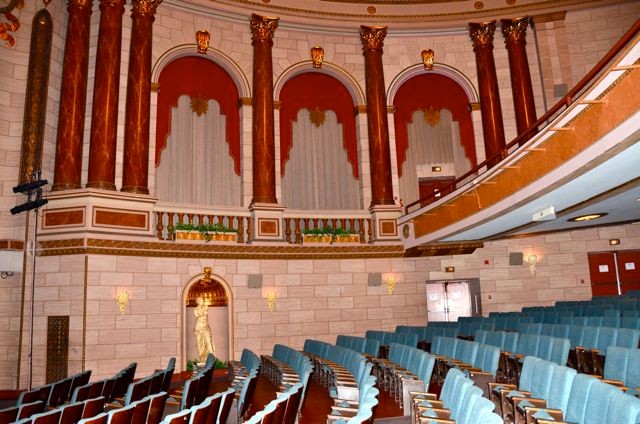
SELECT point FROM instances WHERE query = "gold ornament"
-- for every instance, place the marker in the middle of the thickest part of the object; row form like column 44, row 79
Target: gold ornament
column 317, row 55
column 202, row 39
column 431, row 116
column 317, row 116
column 199, row 105
column 427, row 59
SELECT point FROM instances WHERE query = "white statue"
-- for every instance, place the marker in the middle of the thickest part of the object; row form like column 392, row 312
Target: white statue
column 202, row 330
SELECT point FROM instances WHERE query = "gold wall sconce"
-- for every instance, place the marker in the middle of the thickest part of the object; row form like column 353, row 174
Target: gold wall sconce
column 272, row 297
column 614, row 242
column 428, row 57
column 449, row 269
column 317, row 56
column 390, row 281
column 532, row 260
column 202, row 39
column 122, row 299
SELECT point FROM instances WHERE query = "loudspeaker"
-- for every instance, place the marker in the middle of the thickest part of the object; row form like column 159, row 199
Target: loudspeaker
column 375, row 279
column 515, row 258
column 255, row 281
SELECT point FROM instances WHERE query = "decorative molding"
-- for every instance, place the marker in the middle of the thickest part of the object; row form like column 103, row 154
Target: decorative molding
column 160, row 249
column 262, row 28
column 549, row 17
column 372, row 38
column 120, row 218
column 443, row 249
column 64, row 217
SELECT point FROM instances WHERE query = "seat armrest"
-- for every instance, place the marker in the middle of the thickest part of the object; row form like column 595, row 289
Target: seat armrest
column 557, row 414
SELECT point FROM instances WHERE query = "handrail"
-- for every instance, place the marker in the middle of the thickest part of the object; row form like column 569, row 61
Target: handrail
column 566, row 101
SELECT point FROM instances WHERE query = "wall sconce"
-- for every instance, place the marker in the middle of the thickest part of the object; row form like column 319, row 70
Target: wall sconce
column 317, row 55
column 202, row 39
column 391, row 283
column 436, row 168
column 614, row 242
column 427, row 59
column 272, row 296
column 123, row 299
column 449, row 269
column 532, row 260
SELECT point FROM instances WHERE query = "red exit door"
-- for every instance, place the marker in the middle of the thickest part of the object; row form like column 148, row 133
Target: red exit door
column 614, row 272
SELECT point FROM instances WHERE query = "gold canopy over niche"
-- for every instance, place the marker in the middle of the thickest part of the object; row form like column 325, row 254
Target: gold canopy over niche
column 210, row 290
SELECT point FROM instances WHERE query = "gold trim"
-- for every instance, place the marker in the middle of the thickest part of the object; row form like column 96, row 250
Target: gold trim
column 245, row 101
column 474, row 106
column 359, row 109
column 162, row 249
column 155, row 87
column 524, row 9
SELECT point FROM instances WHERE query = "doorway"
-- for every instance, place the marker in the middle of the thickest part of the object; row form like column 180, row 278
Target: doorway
column 447, row 300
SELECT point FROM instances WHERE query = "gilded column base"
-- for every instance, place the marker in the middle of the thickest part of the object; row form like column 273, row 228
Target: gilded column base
column 135, row 190
column 65, row 186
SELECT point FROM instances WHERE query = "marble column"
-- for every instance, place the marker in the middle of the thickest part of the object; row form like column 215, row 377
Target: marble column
column 378, row 127
column 515, row 33
column 492, row 126
column 135, row 173
column 264, row 163
column 73, row 96
column 104, row 116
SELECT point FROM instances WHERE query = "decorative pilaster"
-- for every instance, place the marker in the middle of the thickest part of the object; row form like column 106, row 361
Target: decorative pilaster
column 493, row 129
column 135, row 173
column 378, row 128
column 264, row 164
column 104, row 116
column 515, row 33
column 73, row 95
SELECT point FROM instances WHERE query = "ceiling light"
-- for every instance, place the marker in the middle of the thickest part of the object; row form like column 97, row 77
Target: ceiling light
column 588, row 217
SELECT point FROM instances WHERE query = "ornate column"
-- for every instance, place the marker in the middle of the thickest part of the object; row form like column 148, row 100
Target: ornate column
column 264, row 164
column 73, row 95
column 515, row 33
column 104, row 116
column 135, row 173
column 378, row 126
column 492, row 127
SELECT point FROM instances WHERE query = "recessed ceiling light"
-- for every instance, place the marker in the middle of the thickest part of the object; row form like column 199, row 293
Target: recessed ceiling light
column 589, row 217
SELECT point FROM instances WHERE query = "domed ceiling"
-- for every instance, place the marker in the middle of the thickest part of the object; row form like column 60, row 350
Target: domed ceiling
column 397, row 13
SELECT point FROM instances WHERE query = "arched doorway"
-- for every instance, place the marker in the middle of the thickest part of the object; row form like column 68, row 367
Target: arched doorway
column 218, row 296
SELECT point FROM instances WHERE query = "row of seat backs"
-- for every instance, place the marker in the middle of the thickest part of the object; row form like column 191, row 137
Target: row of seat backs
column 71, row 412
column 612, row 320
column 465, row 401
column 250, row 360
column 388, row 337
column 479, row 355
column 583, row 398
column 282, row 410
column 351, row 360
column 506, row 341
column 196, row 388
column 55, row 393
column 213, row 409
column 623, row 364
column 417, row 361
column 427, row 332
column 553, row 349
column 359, row 344
column 297, row 360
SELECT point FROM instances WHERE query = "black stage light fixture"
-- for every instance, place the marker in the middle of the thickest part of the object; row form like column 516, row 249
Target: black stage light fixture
column 27, row 206
column 29, row 187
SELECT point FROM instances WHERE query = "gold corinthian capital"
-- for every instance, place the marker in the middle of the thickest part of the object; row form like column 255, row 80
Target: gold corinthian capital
column 145, row 7
column 263, row 27
column 515, row 30
column 372, row 37
column 482, row 34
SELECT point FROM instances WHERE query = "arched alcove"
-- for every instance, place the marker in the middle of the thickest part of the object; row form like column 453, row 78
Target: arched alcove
column 219, row 296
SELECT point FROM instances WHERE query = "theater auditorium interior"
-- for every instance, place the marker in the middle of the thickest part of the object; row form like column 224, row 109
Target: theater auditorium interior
column 320, row 211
